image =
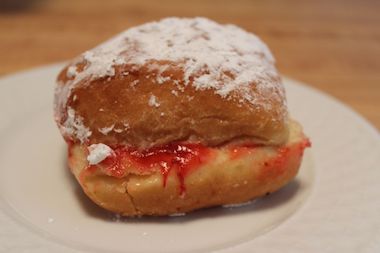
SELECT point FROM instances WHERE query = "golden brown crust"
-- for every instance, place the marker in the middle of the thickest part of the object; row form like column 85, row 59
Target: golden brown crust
column 121, row 104
column 174, row 80
column 222, row 180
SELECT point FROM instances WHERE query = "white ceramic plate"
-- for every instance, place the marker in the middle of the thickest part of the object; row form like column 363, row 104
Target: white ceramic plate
column 332, row 206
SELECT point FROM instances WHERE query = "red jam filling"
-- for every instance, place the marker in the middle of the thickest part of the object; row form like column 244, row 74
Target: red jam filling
column 182, row 158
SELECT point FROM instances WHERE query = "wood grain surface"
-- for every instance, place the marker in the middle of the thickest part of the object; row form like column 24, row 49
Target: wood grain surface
column 331, row 45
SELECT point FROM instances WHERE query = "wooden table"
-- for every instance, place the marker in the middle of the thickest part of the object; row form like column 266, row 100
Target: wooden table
column 331, row 45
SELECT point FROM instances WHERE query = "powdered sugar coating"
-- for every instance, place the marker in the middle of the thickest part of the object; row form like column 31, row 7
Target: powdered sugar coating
column 153, row 101
column 73, row 126
column 224, row 58
column 233, row 63
column 98, row 152
column 71, row 71
column 106, row 130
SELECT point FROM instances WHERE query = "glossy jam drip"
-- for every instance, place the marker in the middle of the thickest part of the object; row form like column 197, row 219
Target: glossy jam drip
column 182, row 158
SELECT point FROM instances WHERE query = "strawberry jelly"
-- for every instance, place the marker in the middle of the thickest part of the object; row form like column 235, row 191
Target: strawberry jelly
column 182, row 158
column 175, row 156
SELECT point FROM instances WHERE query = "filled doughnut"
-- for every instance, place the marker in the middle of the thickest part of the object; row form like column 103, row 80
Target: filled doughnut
column 177, row 115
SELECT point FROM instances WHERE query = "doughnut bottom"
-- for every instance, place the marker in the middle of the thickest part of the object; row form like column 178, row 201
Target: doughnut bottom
column 231, row 175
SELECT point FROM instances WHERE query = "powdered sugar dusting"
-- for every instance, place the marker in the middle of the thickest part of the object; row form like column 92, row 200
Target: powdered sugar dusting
column 100, row 64
column 175, row 93
column 126, row 125
column 224, row 58
column 106, row 130
column 153, row 101
column 71, row 71
column 73, row 126
column 233, row 63
column 98, row 152
column 162, row 79
column 118, row 130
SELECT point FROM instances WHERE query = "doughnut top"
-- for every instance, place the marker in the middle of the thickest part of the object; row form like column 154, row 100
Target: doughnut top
column 173, row 80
